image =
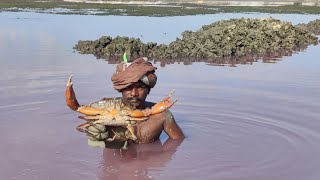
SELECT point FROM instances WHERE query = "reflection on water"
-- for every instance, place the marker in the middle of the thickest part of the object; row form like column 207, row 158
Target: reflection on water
column 252, row 122
column 232, row 61
column 137, row 160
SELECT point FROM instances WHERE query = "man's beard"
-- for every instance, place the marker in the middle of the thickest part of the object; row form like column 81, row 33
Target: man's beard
column 134, row 101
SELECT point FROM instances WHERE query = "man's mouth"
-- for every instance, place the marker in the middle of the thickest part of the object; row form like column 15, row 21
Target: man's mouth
column 134, row 100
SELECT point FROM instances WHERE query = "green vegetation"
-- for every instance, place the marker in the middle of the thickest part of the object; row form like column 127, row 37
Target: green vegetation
column 137, row 10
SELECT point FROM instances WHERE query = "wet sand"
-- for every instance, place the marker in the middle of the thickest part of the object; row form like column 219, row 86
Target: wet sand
column 253, row 121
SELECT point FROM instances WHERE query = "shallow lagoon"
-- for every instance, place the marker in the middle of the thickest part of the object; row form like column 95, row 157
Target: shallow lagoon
column 258, row 121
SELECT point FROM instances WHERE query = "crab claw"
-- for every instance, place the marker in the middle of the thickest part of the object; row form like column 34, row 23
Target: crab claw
column 160, row 107
column 70, row 96
column 163, row 105
column 73, row 104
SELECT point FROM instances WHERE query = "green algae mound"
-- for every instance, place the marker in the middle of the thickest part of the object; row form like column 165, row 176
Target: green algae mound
column 225, row 38
column 107, row 46
column 312, row 27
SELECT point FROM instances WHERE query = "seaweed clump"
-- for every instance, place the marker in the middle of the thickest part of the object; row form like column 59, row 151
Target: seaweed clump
column 237, row 37
column 107, row 46
column 312, row 27
column 225, row 38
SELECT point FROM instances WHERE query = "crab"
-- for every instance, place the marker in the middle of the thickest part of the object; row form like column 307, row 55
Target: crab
column 113, row 112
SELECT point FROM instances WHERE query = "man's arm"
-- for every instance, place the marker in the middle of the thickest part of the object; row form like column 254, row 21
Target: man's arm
column 171, row 127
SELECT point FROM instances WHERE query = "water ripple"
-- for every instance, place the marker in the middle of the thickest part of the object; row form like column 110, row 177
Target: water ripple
column 246, row 141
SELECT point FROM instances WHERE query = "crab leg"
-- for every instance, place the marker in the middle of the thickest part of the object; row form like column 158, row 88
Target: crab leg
column 132, row 131
column 87, row 110
column 160, row 107
column 83, row 127
column 139, row 118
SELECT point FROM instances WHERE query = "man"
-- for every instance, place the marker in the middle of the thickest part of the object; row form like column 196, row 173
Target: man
column 135, row 80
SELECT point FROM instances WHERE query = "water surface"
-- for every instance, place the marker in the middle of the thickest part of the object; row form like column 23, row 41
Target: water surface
column 258, row 121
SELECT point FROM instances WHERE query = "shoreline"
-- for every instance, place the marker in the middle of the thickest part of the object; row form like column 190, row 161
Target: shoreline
column 156, row 8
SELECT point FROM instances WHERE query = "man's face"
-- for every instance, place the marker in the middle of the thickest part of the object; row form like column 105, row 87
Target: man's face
column 136, row 93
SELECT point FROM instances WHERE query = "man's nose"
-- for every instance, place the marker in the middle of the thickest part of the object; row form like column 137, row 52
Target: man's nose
column 134, row 92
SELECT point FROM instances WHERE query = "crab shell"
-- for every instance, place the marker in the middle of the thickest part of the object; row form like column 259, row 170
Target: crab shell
column 110, row 112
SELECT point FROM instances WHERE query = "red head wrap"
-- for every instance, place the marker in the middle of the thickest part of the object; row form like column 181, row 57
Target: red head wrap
column 127, row 74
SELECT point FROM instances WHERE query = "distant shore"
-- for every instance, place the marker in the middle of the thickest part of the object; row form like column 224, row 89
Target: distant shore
column 207, row 2
column 150, row 8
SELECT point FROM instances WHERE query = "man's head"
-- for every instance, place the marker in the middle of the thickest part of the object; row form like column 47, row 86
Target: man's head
column 134, row 80
column 136, row 93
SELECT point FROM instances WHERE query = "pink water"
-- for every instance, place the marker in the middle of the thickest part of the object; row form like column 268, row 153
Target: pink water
column 249, row 122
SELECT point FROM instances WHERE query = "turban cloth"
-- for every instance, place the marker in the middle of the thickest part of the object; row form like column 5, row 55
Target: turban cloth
column 127, row 74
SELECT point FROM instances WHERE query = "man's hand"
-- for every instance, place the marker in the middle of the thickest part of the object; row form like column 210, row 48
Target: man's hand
column 97, row 135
